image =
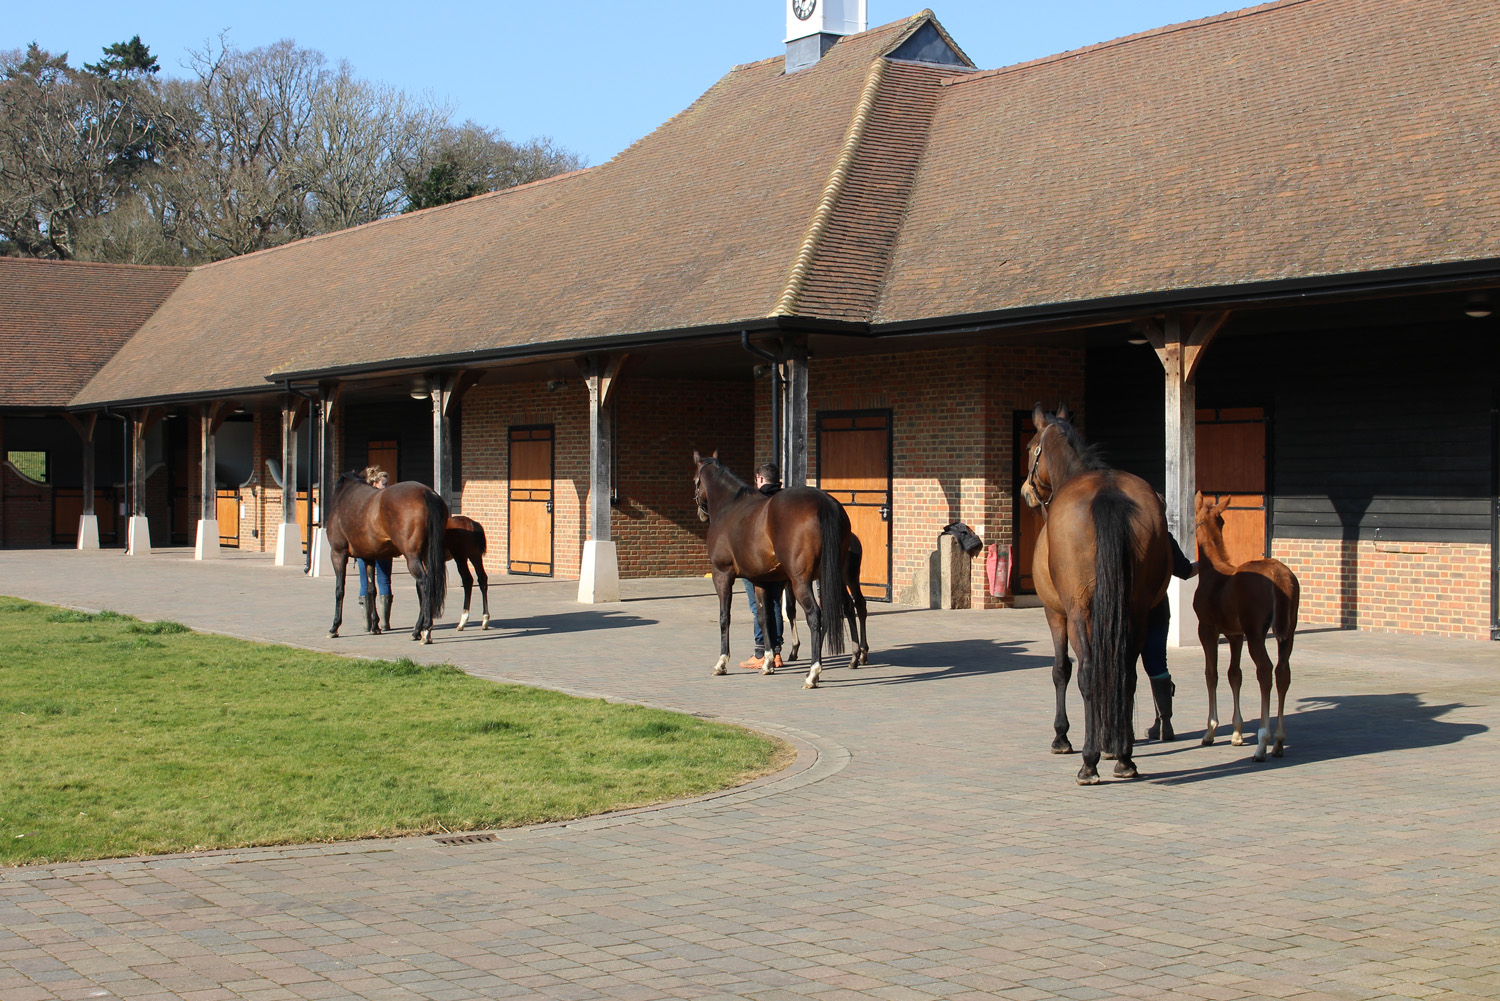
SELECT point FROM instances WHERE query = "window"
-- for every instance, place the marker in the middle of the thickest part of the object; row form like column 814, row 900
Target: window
column 31, row 464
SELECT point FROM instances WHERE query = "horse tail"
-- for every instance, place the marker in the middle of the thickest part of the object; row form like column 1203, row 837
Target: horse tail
column 435, row 555
column 833, row 522
column 480, row 545
column 1112, row 651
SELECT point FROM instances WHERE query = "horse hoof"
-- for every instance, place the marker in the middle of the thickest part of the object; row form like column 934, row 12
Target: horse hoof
column 1237, row 741
column 1062, row 746
column 1107, row 756
column 1277, row 751
column 1125, row 770
column 809, row 683
column 333, row 634
column 460, row 627
column 721, row 666
column 1088, row 778
column 484, row 623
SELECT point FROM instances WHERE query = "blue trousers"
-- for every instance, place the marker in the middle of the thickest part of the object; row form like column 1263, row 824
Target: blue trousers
column 773, row 614
column 382, row 576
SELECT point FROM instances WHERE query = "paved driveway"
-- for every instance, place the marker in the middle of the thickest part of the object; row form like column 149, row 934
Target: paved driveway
column 925, row 844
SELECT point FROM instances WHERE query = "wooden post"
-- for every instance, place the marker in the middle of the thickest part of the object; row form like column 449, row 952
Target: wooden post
column 210, row 419
column 289, row 535
column 138, row 530
column 1180, row 343
column 599, row 576
column 88, row 520
column 795, row 473
column 328, row 395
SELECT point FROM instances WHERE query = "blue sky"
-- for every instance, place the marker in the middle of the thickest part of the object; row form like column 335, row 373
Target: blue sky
column 593, row 75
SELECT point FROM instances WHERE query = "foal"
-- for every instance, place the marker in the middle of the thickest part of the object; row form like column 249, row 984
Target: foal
column 1243, row 602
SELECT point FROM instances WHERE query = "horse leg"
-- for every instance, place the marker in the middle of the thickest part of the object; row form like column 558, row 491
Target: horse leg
column 422, row 631
column 768, row 655
column 468, row 579
column 724, row 585
column 1208, row 639
column 1283, row 682
column 340, row 567
column 789, row 607
column 857, row 621
column 1263, row 670
column 810, row 611
column 372, row 613
column 1236, row 644
column 484, row 591
column 1088, row 772
column 1062, row 673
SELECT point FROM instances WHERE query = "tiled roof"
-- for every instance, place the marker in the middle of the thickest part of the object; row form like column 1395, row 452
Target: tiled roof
column 1294, row 140
column 697, row 224
column 60, row 321
column 1298, row 139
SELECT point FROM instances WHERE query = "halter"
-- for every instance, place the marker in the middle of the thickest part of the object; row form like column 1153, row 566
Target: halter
column 700, row 497
column 1036, row 458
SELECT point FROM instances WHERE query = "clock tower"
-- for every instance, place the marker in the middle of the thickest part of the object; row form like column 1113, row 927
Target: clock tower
column 812, row 26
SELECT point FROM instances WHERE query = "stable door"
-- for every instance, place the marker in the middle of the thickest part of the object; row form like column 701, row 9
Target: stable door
column 854, row 466
column 1231, row 459
column 530, row 501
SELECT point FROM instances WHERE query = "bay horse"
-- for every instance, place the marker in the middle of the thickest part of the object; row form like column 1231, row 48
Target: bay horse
column 405, row 519
column 1243, row 603
column 797, row 535
column 464, row 539
column 1101, row 563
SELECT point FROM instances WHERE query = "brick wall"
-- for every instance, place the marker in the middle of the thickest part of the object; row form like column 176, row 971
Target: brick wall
column 659, row 423
column 951, row 412
column 25, row 511
column 1427, row 588
column 488, row 414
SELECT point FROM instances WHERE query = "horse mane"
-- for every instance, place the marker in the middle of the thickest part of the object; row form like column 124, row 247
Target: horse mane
column 347, row 479
column 726, row 474
column 1090, row 457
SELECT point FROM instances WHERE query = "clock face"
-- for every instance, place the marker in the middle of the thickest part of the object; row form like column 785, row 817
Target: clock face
column 804, row 8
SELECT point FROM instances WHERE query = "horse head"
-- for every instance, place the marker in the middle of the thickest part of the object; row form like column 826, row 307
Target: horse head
column 1208, row 520
column 700, row 489
column 1057, row 454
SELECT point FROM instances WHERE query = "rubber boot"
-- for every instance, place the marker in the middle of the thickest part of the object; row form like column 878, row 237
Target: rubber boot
column 1162, row 690
column 364, row 618
column 385, row 611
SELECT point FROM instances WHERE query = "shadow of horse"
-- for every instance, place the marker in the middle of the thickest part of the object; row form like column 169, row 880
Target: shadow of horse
column 565, row 622
column 949, row 659
column 1336, row 728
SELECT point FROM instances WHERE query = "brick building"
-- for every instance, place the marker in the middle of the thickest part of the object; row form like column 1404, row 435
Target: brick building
column 1256, row 252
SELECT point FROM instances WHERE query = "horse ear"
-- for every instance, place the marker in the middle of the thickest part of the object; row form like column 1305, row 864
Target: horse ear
column 1039, row 417
column 1223, row 505
column 697, row 459
column 1063, row 414
column 716, row 453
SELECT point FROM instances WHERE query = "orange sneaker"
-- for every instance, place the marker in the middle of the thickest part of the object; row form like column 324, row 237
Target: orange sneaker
column 776, row 662
column 753, row 664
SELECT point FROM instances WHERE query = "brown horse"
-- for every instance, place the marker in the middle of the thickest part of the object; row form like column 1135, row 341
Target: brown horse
column 465, row 542
column 405, row 519
column 1100, row 565
column 796, row 535
column 1243, row 603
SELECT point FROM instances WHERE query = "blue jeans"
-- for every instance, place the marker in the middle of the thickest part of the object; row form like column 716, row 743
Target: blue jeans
column 773, row 614
column 382, row 576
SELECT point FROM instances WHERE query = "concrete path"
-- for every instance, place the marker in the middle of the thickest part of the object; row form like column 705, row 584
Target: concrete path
column 924, row 845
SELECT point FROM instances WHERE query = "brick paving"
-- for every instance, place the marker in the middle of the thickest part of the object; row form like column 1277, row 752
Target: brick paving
column 924, row 845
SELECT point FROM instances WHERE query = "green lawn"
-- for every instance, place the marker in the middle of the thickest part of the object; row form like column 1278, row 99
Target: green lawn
column 121, row 737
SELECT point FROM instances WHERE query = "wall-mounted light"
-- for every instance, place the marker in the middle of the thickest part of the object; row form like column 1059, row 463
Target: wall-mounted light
column 760, row 371
column 419, row 390
column 1136, row 340
column 1477, row 305
column 553, row 385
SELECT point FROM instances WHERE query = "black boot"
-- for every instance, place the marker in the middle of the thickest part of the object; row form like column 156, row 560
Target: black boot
column 1162, row 690
column 385, row 611
column 364, row 616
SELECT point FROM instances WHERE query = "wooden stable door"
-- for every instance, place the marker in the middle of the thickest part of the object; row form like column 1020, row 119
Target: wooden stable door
column 227, row 509
column 385, row 454
column 530, row 503
column 854, row 466
column 1028, row 520
column 1231, row 450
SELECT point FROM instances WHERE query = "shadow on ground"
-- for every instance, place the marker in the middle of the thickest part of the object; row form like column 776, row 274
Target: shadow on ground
column 562, row 622
column 1327, row 728
column 940, row 661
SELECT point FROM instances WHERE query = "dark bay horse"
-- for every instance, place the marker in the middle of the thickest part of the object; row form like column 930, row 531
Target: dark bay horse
column 405, row 519
column 1101, row 564
column 465, row 542
column 1243, row 602
column 796, row 535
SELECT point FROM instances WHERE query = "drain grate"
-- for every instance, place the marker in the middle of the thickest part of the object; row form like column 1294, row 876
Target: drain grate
column 465, row 839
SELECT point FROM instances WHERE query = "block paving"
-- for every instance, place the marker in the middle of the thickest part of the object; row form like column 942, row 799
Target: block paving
column 923, row 845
